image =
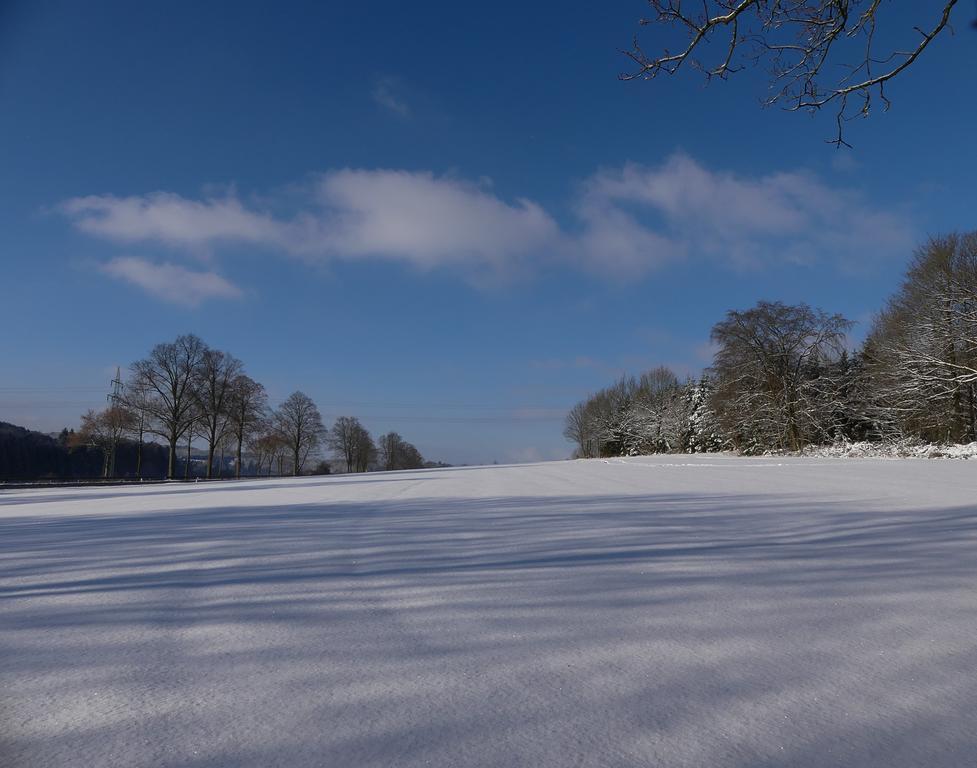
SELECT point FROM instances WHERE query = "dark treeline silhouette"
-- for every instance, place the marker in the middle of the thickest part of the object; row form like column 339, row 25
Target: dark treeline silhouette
column 29, row 455
column 783, row 379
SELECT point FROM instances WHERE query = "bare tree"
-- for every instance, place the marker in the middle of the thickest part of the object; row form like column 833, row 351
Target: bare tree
column 193, row 430
column 342, row 439
column 279, row 454
column 410, row 457
column 389, row 447
column 576, row 428
column 137, row 402
column 248, row 406
column 365, row 450
column 597, row 424
column 217, row 373
column 300, row 424
column 394, row 452
column 226, row 446
column 265, row 443
column 820, row 53
column 167, row 377
column 103, row 430
column 764, row 355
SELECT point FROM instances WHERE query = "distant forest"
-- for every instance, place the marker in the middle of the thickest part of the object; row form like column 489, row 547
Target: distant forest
column 28, row 455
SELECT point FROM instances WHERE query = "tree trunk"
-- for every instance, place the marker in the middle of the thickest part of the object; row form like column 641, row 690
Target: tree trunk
column 237, row 460
column 972, row 407
column 171, row 464
column 139, row 456
column 186, row 469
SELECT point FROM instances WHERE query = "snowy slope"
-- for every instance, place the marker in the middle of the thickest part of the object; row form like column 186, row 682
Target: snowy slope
column 682, row 611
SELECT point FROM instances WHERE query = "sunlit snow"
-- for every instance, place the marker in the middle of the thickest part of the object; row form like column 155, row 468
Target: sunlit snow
column 678, row 611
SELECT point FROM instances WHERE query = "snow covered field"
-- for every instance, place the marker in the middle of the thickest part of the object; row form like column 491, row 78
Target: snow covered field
column 679, row 611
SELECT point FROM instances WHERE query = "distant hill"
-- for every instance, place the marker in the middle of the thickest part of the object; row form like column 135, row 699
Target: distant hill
column 29, row 455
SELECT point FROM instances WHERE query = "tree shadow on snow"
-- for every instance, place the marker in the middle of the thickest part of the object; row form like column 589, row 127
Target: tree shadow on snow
column 691, row 614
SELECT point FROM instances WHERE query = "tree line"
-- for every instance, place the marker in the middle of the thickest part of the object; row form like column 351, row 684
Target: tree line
column 26, row 455
column 783, row 377
column 185, row 390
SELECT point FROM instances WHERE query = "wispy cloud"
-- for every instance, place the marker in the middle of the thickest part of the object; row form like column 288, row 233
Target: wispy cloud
column 171, row 282
column 559, row 363
column 705, row 351
column 746, row 221
column 388, row 93
column 623, row 222
column 171, row 219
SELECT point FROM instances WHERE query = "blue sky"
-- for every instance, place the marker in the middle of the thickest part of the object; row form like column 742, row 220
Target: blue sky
column 449, row 220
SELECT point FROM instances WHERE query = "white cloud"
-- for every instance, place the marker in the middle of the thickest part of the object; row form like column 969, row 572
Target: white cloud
column 613, row 242
column 171, row 282
column 787, row 216
column 418, row 218
column 171, row 219
column 685, row 192
column 425, row 220
column 386, row 93
column 624, row 222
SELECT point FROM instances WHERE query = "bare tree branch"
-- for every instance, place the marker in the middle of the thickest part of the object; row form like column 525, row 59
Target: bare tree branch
column 804, row 43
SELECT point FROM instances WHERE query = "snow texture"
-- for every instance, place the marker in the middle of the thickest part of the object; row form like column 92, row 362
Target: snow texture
column 893, row 449
column 672, row 611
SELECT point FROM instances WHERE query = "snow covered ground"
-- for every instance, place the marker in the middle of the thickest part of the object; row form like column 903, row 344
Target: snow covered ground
column 674, row 611
column 895, row 449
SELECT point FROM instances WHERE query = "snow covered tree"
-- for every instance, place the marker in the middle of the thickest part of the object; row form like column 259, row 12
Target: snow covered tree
column 652, row 421
column 703, row 432
column 924, row 344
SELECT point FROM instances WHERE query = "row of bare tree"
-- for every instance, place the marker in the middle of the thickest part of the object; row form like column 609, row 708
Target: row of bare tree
column 350, row 441
column 185, row 389
column 783, row 378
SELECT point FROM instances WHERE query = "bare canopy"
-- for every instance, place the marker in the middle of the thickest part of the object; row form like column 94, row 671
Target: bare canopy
column 818, row 52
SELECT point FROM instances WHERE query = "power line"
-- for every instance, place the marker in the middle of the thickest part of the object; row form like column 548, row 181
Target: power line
column 52, row 389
